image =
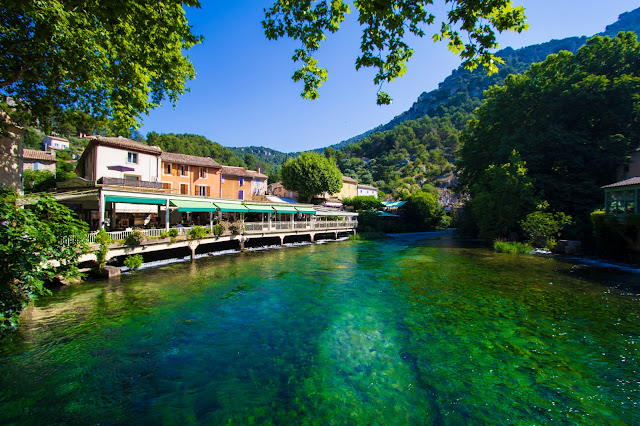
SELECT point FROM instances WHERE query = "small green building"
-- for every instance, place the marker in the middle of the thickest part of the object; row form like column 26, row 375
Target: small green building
column 621, row 198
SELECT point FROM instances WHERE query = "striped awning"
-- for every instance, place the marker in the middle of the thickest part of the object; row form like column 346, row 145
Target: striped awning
column 134, row 200
column 307, row 210
column 193, row 206
column 230, row 207
column 258, row 208
column 285, row 209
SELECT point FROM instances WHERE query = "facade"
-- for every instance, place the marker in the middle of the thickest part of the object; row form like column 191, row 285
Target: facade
column 349, row 188
column 54, row 142
column 119, row 158
column 278, row 190
column 33, row 159
column 11, row 147
column 367, row 190
column 235, row 183
column 190, row 175
column 632, row 169
column 258, row 183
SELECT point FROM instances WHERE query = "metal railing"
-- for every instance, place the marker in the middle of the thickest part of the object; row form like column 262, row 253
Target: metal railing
column 249, row 228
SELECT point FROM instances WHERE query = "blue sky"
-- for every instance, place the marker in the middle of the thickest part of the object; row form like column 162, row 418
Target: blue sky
column 243, row 93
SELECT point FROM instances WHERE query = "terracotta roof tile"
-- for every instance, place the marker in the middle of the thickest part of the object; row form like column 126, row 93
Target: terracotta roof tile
column 34, row 154
column 256, row 174
column 124, row 143
column 235, row 171
column 192, row 160
column 349, row 179
column 366, row 186
column 627, row 182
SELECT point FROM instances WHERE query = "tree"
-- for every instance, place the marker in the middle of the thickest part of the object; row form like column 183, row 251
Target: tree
column 363, row 202
column 572, row 118
column 116, row 59
column 543, row 227
column 424, row 211
column 386, row 24
column 29, row 239
column 311, row 174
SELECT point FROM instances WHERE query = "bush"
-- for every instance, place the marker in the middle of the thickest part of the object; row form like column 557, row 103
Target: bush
column 173, row 232
column 236, row 227
column 103, row 239
column 164, row 234
column 133, row 262
column 198, row 232
column 218, row 229
column 542, row 227
column 511, row 247
column 135, row 238
column 363, row 203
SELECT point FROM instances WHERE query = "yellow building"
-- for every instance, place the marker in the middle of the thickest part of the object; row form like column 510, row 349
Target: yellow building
column 235, row 182
column 349, row 188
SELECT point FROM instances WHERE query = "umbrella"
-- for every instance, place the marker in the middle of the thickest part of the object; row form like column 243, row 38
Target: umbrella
column 121, row 168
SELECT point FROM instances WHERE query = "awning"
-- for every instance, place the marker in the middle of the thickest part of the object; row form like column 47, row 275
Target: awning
column 258, row 208
column 230, row 207
column 135, row 208
column 285, row 209
column 307, row 210
column 134, row 200
column 193, row 206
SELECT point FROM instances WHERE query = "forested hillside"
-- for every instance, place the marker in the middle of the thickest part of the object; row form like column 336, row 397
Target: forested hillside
column 195, row 145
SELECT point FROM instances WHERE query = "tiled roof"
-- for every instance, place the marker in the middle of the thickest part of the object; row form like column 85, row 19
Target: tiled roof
column 627, row 182
column 349, row 179
column 192, row 160
column 366, row 186
column 235, row 171
column 34, row 154
column 256, row 175
column 123, row 143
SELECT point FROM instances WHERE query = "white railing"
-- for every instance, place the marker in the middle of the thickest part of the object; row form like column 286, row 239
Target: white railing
column 249, row 227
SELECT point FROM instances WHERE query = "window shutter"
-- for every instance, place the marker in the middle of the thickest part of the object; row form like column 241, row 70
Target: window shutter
column 208, row 191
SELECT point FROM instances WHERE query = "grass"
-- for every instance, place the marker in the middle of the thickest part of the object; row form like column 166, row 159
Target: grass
column 511, row 247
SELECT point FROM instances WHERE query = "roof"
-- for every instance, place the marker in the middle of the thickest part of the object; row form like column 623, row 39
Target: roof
column 349, row 179
column 394, row 203
column 123, row 143
column 34, row 154
column 191, row 160
column 367, row 187
column 235, row 171
column 256, row 175
column 627, row 182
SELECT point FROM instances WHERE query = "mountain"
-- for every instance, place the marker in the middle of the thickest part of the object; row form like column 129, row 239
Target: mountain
column 462, row 83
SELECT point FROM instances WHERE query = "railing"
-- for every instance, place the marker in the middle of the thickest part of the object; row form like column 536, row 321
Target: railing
column 249, row 228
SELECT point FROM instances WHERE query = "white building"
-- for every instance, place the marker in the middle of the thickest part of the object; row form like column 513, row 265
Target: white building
column 366, row 190
column 54, row 142
column 258, row 182
column 119, row 158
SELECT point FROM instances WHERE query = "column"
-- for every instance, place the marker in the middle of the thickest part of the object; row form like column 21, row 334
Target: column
column 211, row 221
column 101, row 208
column 166, row 217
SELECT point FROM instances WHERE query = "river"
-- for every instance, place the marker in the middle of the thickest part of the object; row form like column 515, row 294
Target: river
column 398, row 331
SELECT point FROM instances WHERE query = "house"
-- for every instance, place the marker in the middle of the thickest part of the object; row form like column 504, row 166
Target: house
column 235, row 182
column 11, row 147
column 54, row 142
column 349, row 188
column 33, row 159
column 367, row 190
column 279, row 190
column 621, row 198
column 632, row 169
column 120, row 159
column 190, row 175
column 258, row 183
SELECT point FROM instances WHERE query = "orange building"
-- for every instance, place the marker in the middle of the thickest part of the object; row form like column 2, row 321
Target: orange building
column 235, row 182
column 190, row 175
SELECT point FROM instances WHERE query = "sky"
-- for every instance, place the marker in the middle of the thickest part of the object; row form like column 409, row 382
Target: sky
column 243, row 94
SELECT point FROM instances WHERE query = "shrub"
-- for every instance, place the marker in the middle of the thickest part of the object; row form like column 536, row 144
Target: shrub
column 218, row 229
column 133, row 262
column 511, row 247
column 135, row 238
column 173, row 232
column 542, row 227
column 236, row 227
column 198, row 232
column 103, row 239
column 164, row 234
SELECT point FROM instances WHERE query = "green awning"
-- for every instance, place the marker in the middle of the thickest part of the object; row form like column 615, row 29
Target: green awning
column 285, row 209
column 307, row 210
column 230, row 207
column 193, row 206
column 258, row 208
column 134, row 200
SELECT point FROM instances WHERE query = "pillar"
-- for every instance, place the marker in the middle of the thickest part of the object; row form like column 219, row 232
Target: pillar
column 166, row 217
column 101, row 208
column 211, row 221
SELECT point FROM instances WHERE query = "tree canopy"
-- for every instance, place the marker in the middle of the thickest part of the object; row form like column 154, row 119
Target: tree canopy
column 311, row 174
column 572, row 118
column 116, row 59
column 469, row 30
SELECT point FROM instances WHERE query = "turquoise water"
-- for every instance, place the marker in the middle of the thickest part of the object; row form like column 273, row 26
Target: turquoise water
column 401, row 331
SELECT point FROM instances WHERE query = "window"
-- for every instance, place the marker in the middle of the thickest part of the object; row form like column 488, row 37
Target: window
column 166, row 185
column 241, row 195
column 241, row 180
column 203, row 172
column 184, row 188
column 183, row 170
column 167, row 169
column 131, row 177
column 132, row 157
column 202, row 190
column 221, row 178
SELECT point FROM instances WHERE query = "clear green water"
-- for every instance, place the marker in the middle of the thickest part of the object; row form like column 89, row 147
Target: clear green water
column 392, row 332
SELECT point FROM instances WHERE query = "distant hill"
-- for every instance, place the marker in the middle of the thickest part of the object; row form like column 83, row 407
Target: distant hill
column 270, row 158
column 462, row 83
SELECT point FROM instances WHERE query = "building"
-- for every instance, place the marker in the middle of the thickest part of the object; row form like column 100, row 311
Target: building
column 258, row 183
column 349, row 188
column 11, row 147
column 119, row 158
column 190, row 175
column 235, row 182
column 33, row 159
column 279, row 190
column 632, row 169
column 367, row 190
column 54, row 142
